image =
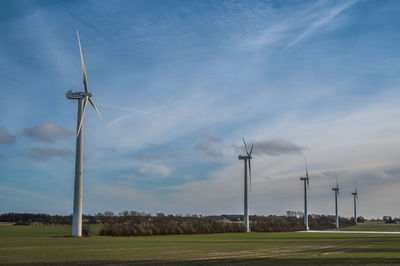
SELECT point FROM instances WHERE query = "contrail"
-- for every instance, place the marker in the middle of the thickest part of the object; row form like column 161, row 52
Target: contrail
column 123, row 108
column 321, row 22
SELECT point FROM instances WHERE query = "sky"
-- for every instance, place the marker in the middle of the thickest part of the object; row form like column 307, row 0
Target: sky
column 179, row 83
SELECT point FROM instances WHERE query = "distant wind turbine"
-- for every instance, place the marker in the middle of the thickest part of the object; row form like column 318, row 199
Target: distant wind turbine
column 246, row 159
column 336, row 189
column 83, row 98
column 355, row 195
column 306, row 180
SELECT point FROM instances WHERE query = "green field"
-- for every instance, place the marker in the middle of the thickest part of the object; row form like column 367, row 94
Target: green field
column 373, row 226
column 49, row 245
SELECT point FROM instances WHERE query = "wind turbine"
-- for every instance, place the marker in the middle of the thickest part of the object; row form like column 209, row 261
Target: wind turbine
column 83, row 98
column 355, row 195
column 246, row 159
column 306, row 180
column 336, row 189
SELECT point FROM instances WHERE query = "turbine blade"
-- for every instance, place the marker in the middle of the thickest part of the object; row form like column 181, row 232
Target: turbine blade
column 305, row 163
column 337, row 186
column 94, row 106
column 83, row 64
column 250, row 173
column 245, row 145
column 251, row 149
column 83, row 114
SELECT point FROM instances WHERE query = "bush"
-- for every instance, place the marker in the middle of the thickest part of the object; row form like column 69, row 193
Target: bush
column 171, row 226
column 85, row 230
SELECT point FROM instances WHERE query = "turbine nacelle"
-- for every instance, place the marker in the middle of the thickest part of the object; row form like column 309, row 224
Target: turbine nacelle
column 245, row 157
column 79, row 95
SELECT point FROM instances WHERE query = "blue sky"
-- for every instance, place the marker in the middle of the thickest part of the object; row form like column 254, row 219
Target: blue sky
column 179, row 83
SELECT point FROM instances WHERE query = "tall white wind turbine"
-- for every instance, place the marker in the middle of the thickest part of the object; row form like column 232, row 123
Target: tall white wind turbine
column 83, row 98
column 336, row 190
column 306, row 180
column 246, row 159
column 355, row 195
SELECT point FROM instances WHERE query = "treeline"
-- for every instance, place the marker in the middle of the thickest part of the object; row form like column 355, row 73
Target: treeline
column 29, row 218
column 46, row 219
column 167, row 225
column 138, row 224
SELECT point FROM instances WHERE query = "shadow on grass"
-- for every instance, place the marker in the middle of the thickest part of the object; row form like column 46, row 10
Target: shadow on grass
column 232, row 261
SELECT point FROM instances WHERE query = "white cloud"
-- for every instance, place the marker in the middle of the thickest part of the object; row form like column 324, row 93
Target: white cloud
column 5, row 137
column 48, row 132
column 154, row 169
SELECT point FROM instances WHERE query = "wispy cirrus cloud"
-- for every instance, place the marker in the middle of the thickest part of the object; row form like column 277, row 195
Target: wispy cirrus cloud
column 212, row 138
column 274, row 147
column 155, row 169
column 25, row 193
column 209, row 149
column 147, row 157
column 43, row 154
column 211, row 146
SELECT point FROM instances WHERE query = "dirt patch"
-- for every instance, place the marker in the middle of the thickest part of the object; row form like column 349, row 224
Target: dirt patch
column 256, row 253
column 333, row 252
column 3, row 223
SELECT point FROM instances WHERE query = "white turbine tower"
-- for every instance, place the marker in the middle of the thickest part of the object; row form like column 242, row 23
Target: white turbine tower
column 246, row 159
column 336, row 190
column 83, row 98
column 355, row 195
column 306, row 180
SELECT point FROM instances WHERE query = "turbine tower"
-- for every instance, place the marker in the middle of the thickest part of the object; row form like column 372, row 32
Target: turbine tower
column 306, row 180
column 246, row 159
column 336, row 189
column 83, row 98
column 355, row 195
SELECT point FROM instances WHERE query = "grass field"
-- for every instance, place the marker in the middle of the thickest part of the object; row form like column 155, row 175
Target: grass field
column 373, row 226
column 48, row 245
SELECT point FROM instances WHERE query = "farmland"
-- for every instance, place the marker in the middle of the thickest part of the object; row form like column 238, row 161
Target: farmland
column 50, row 245
column 373, row 226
